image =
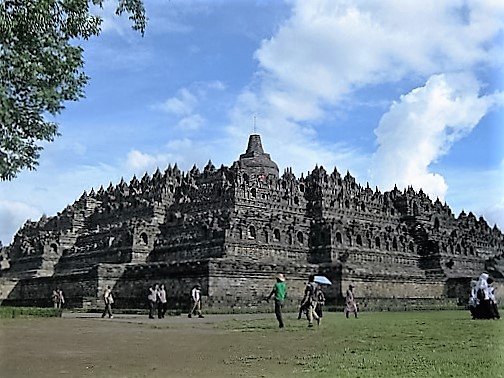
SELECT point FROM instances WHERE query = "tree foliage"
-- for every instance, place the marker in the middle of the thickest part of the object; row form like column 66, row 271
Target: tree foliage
column 41, row 67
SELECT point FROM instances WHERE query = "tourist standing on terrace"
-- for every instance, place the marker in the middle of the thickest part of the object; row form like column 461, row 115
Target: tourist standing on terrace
column 161, row 301
column 279, row 291
column 152, row 298
column 196, row 302
column 351, row 306
column 108, row 299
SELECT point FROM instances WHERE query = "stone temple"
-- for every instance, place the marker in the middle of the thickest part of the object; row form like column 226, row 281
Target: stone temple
column 232, row 229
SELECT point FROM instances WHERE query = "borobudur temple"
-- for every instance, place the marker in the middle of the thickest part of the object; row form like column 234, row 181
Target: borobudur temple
column 231, row 229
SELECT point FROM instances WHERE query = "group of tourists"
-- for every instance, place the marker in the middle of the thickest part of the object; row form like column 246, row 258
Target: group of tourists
column 58, row 298
column 157, row 301
column 482, row 301
column 312, row 302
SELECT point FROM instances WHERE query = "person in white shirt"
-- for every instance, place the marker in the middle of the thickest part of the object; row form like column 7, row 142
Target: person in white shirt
column 152, row 298
column 196, row 301
column 161, row 301
column 61, row 298
column 473, row 299
column 108, row 299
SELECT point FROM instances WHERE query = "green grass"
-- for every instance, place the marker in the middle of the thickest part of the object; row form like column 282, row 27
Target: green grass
column 27, row 312
column 392, row 344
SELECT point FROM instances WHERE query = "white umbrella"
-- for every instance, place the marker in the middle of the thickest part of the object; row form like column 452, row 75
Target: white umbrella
column 322, row 280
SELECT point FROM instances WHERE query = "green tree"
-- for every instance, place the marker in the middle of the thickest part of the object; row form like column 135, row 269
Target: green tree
column 41, row 67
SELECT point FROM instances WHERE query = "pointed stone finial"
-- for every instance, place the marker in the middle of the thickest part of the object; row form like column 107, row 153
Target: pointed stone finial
column 254, row 145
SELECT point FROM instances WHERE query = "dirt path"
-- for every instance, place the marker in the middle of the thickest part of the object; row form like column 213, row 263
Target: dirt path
column 84, row 345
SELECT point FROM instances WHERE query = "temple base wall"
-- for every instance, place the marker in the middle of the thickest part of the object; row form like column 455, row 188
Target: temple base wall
column 230, row 285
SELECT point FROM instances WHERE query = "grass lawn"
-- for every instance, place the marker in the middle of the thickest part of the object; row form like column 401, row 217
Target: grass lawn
column 380, row 344
column 24, row 312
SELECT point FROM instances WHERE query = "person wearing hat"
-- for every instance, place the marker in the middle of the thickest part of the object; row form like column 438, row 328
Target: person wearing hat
column 196, row 301
column 280, row 292
column 351, row 306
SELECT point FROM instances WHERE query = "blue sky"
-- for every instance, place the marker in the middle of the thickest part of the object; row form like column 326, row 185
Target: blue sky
column 396, row 92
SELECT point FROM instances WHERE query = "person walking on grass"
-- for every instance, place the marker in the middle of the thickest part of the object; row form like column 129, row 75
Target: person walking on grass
column 152, row 299
column 196, row 302
column 108, row 299
column 351, row 306
column 161, row 301
column 492, row 299
column 61, row 298
column 309, row 300
column 320, row 302
column 55, row 298
column 279, row 291
column 58, row 298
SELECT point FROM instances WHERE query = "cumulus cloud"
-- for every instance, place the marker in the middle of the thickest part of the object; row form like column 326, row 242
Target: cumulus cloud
column 422, row 127
column 139, row 162
column 192, row 122
column 181, row 105
column 184, row 105
column 329, row 50
column 12, row 215
column 184, row 152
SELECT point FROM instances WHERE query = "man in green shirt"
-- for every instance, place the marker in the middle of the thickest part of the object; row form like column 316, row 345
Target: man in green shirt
column 279, row 291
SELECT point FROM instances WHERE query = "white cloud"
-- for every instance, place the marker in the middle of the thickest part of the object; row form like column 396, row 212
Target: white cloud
column 184, row 152
column 216, row 85
column 139, row 162
column 12, row 215
column 185, row 104
column 328, row 48
column 191, row 123
column 182, row 104
column 423, row 126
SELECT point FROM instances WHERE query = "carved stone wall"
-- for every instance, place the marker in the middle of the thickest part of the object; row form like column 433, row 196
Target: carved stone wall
column 233, row 228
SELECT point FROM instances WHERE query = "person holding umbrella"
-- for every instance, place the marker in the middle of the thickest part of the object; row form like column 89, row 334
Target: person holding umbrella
column 309, row 300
